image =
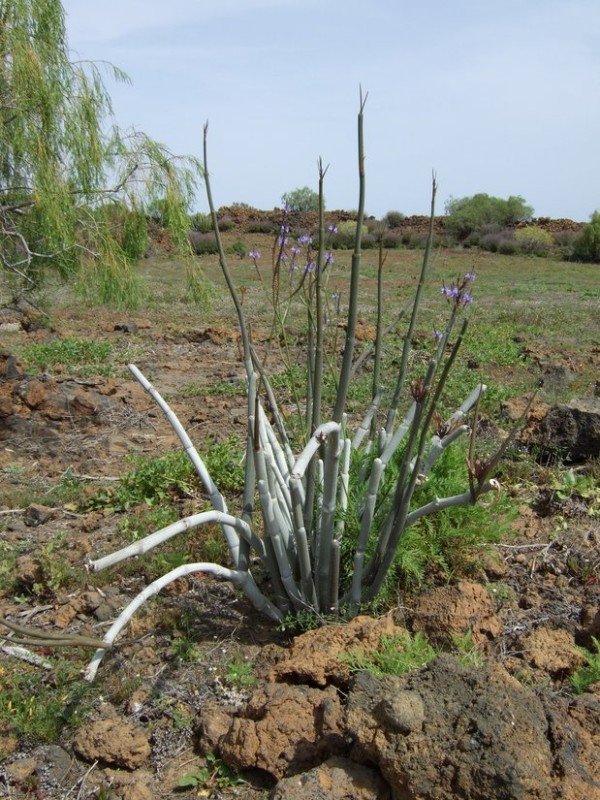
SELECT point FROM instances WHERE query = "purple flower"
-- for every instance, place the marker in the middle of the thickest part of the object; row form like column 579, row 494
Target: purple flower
column 310, row 267
column 332, row 228
column 284, row 229
column 284, row 257
column 282, row 241
column 336, row 297
column 470, row 276
column 466, row 297
column 450, row 291
column 328, row 257
column 295, row 251
column 437, row 334
column 254, row 255
column 305, row 239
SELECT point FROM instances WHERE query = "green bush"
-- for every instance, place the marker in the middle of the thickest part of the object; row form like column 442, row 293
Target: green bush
column 369, row 242
column 262, row 226
column 303, row 199
column 393, row 241
column 468, row 214
column 394, row 219
column 201, row 222
column 587, row 245
column 225, row 224
column 346, row 234
column 533, row 240
column 564, row 244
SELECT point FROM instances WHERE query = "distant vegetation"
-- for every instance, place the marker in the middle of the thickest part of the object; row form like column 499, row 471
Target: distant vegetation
column 303, row 199
column 467, row 215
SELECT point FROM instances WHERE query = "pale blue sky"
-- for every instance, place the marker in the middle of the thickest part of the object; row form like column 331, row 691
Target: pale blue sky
column 495, row 96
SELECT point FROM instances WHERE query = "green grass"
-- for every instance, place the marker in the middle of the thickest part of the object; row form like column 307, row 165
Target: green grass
column 78, row 357
column 36, row 706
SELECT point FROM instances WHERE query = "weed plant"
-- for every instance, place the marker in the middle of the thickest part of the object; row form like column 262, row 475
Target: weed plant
column 394, row 655
column 37, row 707
column 590, row 674
column 81, row 357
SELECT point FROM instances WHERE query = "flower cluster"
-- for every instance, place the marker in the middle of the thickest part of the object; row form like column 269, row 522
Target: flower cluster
column 299, row 256
column 458, row 293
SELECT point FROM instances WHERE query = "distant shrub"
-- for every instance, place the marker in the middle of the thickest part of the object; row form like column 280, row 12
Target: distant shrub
column 533, row 240
column 468, row 214
column 241, row 205
column 203, row 244
column 225, row 224
column 345, row 236
column 262, row 226
column 499, row 240
column 376, row 226
column 204, row 224
column 369, row 241
column 394, row 219
column 350, row 227
column 303, row 199
column 201, row 222
column 586, row 246
column 238, row 248
column 392, row 241
column 564, row 244
column 419, row 240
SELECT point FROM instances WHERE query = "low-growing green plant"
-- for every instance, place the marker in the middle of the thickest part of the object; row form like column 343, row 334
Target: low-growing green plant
column 451, row 542
column 218, row 389
column 185, row 649
column 82, row 357
column 151, row 481
column 470, row 654
column 590, row 674
column 395, row 655
column 215, row 775
column 240, row 673
column 238, row 248
column 37, row 707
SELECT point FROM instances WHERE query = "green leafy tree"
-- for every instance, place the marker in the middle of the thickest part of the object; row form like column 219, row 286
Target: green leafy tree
column 63, row 161
column 466, row 215
column 587, row 244
column 303, row 199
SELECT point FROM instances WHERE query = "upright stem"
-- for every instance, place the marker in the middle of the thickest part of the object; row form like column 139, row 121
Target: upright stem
column 346, row 369
column 223, row 262
column 393, row 411
column 315, row 353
